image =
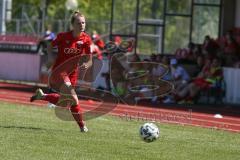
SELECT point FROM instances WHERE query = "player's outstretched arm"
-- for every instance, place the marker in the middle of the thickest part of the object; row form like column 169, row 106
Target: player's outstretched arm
column 89, row 62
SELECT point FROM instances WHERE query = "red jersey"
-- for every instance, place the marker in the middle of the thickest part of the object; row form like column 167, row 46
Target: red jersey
column 70, row 51
column 69, row 46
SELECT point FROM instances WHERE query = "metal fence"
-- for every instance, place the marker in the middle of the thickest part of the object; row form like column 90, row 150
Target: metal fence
column 34, row 26
column 150, row 40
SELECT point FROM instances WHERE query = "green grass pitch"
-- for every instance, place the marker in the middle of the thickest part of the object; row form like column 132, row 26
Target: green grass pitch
column 34, row 133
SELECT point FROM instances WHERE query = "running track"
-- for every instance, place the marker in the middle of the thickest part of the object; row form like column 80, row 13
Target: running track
column 201, row 116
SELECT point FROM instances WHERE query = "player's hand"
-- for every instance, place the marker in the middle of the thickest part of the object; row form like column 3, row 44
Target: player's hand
column 85, row 65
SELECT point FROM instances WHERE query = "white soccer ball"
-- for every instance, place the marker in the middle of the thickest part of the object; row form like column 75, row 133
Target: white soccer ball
column 149, row 132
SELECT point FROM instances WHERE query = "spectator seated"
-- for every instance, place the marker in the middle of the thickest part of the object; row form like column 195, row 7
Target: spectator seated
column 214, row 93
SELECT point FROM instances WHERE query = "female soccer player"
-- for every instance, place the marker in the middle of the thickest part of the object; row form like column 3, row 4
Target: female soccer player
column 71, row 46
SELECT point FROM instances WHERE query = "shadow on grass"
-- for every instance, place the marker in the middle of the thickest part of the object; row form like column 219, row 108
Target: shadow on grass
column 22, row 127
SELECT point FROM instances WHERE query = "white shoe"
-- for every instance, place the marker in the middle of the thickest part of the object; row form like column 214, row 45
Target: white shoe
column 50, row 105
column 38, row 95
column 168, row 100
column 84, row 129
column 154, row 99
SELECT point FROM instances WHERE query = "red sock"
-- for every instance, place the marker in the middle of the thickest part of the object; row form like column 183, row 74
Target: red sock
column 77, row 115
column 52, row 98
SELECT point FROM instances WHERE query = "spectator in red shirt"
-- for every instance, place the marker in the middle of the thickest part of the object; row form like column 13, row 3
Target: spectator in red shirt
column 97, row 40
column 209, row 75
column 231, row 47
column 97, row 45
column 206, row 79
column 117, row 40
column 210, row 46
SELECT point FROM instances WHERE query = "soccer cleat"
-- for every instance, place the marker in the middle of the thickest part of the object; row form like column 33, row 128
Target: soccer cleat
column 37, row 96
column 84, row 129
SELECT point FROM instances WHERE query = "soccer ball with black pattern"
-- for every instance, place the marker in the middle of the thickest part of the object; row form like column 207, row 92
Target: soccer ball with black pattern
column 149, row 132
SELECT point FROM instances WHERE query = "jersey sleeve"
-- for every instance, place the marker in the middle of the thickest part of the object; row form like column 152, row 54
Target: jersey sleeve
column 57, row 40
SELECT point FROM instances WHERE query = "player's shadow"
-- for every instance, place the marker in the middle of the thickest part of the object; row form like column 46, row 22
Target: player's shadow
column 22, row 127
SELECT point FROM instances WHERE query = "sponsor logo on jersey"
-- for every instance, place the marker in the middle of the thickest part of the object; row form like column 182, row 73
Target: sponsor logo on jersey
column 72, row 51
